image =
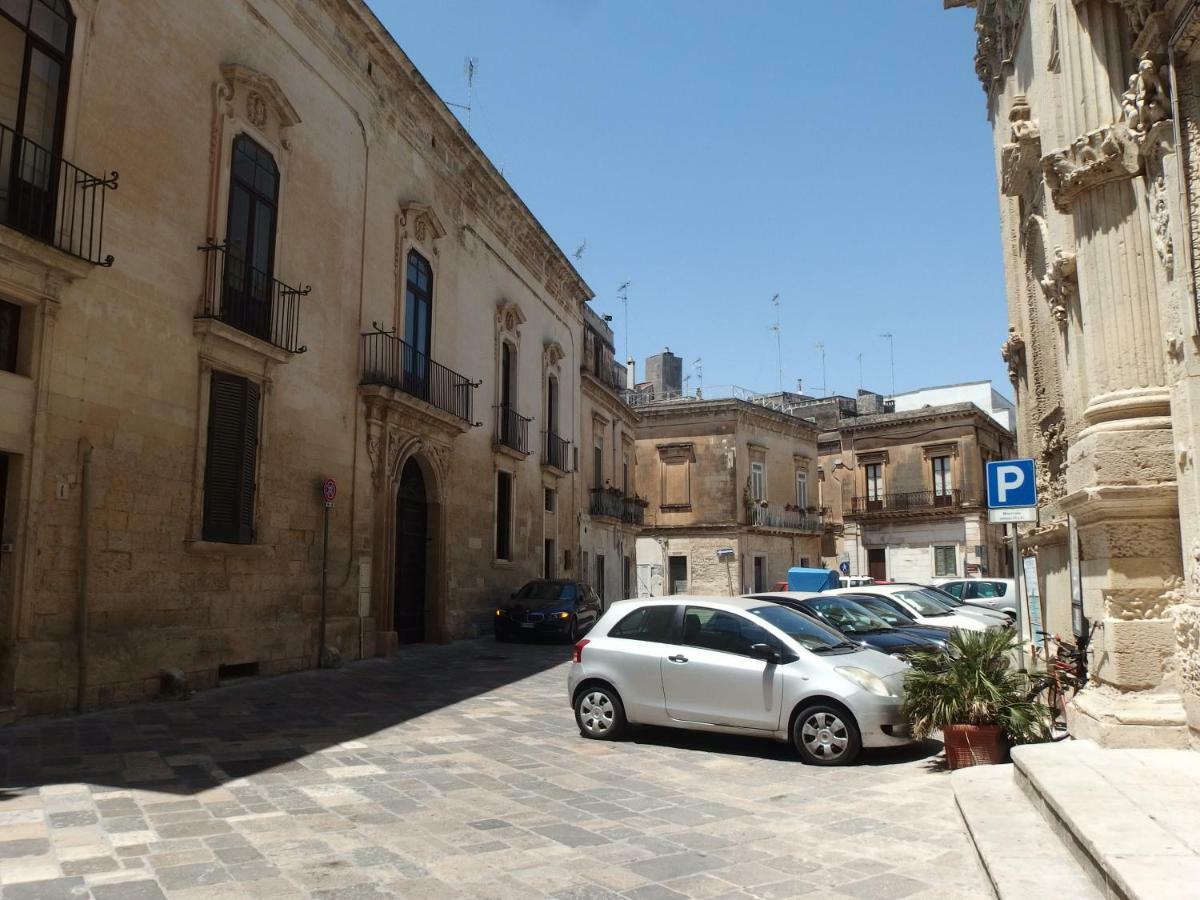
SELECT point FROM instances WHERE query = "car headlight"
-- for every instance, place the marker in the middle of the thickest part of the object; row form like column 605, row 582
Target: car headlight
column 564, row 615
column 868, row 681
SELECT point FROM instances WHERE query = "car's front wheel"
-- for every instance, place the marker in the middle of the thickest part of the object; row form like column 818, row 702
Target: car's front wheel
column 599, row 713
column 825, row 735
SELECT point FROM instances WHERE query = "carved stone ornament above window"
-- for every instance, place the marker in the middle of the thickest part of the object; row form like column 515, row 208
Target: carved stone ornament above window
column 553, row 354
column 1105, row 155
column 258, row 99
column 944, row 448
column 1020, row 157
column 420, row 222
column 509, row 317
column 871, row 457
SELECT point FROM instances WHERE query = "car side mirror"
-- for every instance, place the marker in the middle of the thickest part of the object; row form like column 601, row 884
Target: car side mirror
column 764, row 652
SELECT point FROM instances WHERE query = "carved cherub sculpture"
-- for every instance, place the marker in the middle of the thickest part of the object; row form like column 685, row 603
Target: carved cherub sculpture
column 1012, row 350
column 1145, row 102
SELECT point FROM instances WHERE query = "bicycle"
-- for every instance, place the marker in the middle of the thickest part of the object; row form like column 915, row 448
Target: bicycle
column 1065, row 671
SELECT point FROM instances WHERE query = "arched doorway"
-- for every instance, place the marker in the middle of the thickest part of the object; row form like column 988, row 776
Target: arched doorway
column 412, row 527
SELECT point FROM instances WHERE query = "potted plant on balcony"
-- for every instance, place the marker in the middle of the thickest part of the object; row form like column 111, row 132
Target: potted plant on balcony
column 976, row 697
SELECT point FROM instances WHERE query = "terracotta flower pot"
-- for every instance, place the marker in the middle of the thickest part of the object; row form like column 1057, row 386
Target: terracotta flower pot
column 974, row 745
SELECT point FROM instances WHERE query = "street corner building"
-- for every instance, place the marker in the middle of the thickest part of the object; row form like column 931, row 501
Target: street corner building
column 725, row 474
column 1095, row 106
column 909, row 487
column 305, row 269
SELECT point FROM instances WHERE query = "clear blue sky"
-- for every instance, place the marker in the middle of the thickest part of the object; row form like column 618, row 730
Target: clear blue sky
column 714, row 154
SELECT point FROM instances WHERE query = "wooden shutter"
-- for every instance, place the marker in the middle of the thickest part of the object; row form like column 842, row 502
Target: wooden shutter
column 232, row 454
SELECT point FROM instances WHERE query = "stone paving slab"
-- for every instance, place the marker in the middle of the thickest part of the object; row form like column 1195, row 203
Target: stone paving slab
column 453, row 771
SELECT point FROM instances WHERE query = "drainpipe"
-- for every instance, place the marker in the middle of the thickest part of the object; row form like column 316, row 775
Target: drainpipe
column 85, row 449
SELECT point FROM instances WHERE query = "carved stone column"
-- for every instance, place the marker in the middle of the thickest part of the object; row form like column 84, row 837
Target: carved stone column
column 1120, row 471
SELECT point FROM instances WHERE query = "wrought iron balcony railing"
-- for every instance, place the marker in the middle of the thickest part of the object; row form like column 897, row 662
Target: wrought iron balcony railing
column 51, row 200
column 512, row 429
column 792, row 520
column 557, row 450
column 633, row 512
column 251, row 301
column 605, row 502
column 908, row 502
column 389, row 361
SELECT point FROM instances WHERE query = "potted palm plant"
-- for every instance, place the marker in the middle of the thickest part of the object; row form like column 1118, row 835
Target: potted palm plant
column 976, row 697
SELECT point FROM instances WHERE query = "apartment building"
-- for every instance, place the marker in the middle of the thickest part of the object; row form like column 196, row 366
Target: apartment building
column 732, row 497
column 910, row 489
column 305, row 270
column 614, row 513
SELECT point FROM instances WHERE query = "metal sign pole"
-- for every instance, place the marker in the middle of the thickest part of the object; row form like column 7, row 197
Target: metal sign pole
column 324, row 581
column 1019, row 583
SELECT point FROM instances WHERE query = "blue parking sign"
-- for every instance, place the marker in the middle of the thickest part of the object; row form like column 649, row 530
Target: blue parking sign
column 1011, row 483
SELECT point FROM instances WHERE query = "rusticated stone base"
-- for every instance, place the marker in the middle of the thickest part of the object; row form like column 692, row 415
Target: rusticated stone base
column 1136, row 720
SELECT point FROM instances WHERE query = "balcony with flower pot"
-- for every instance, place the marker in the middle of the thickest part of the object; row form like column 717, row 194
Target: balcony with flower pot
column 789, row 518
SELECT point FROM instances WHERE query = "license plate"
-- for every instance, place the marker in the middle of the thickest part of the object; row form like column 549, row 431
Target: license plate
column 526, row 624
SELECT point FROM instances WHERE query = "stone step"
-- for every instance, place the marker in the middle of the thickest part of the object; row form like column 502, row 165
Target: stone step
column 1128, row 816
column 1020, row 852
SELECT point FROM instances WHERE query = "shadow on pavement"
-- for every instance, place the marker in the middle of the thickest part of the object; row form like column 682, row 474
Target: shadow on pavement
column 262, row 724
column 763, row 748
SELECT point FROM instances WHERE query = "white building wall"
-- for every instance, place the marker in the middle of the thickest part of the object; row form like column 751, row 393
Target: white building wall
column 981, row 393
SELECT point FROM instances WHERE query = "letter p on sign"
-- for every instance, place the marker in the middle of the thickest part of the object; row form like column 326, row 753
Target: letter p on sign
column 1011, row 483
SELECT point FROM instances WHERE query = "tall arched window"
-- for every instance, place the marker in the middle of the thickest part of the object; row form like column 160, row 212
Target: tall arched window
column 253, row 211
column 35, row 55
column 418, row 303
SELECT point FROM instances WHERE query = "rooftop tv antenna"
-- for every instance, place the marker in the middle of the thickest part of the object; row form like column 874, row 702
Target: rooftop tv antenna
column 892, row 358
column 470, row 69
column 578, row 254
column 820, row 348
column 778, row 329
column 698, row 365
column 623, row 296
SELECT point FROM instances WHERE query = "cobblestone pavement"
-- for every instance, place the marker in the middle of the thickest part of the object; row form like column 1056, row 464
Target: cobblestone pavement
column 452, row 772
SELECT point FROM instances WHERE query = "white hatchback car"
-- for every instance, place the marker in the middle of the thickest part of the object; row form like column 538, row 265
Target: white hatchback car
column 921, row 604
column 736, row 665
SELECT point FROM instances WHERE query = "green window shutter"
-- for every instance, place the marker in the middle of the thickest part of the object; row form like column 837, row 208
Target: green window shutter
column 232, row 454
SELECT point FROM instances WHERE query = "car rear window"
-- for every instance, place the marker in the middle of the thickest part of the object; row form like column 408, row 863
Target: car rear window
column 649, row 623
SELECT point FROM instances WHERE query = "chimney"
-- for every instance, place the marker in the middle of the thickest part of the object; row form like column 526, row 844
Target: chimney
column 630, row 374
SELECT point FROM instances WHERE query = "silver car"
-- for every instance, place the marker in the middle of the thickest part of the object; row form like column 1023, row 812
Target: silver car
column 740, row 666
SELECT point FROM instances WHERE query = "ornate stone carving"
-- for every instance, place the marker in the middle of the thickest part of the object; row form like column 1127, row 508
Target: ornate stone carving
column 553, row 354
column 1052, row 462
column 421, row 222
column 1160, row 222
column 1194, row 565
column 1105, row 155
column 1146, row 101
column 1019, row 158
column 509, row 317
column 1012, row 351
column 256, row 109
column 1060, row 284
column 1138, row 12
column 1133, row 608
column 998, row 28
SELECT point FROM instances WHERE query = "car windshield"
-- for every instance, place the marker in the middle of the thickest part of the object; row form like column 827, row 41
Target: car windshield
column 890, row 615
column 944, row 596
column 925, row 602
column 847, row 616
column 539, row 592
column 809, row 634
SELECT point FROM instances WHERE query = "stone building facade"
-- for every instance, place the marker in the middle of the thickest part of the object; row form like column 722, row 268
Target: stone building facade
column 731, row 475
column 909, row 490
column 1095, row 106
column 314, row 273
column 613, row 513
